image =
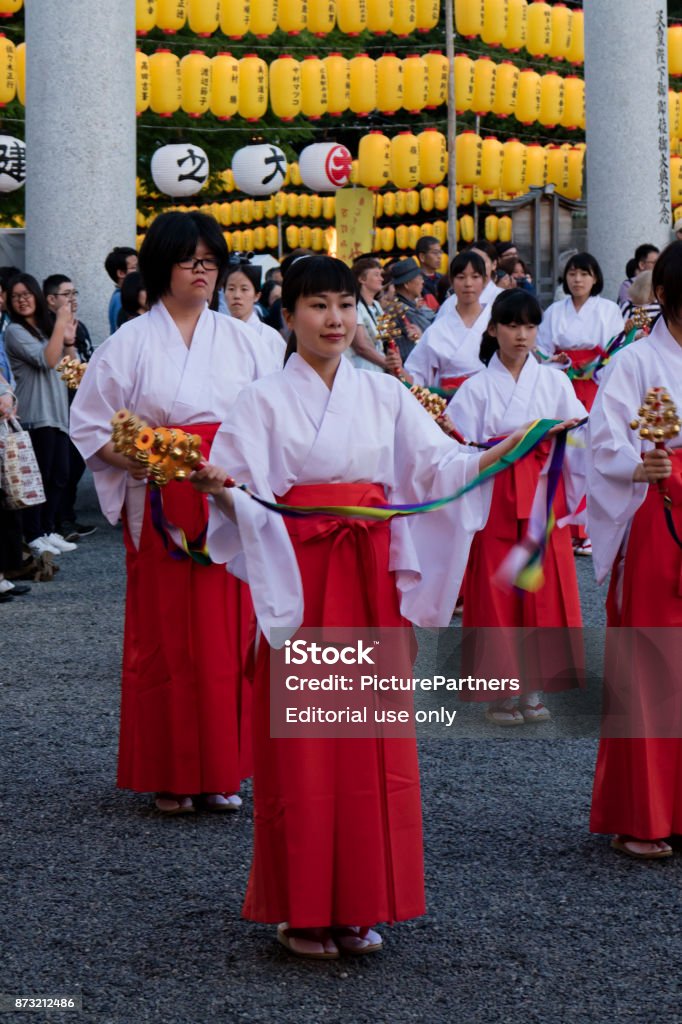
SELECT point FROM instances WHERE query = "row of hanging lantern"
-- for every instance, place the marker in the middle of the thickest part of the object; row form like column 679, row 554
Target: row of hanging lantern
column 513, row 167
column 237, row 18
column 485, row 87
column 544, row 30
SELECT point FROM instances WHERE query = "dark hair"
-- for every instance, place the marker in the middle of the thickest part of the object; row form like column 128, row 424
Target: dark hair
column 631, row 267
column 117, row 261
column 271, row 271
column 6, row 273
column 53, row 283
column 644, row 250
column 483, row 245
column 585, row 261
column 425, row 243
column 311, row 275
column 365, row 263
column 173, row 237
column 467, row 259
column 666, row 281
column 131, row 286
column 502, row 247
column 507, row 266
column 513, row 306
column 291, row 258
column 266, row 291
column 44, row 324
column 249, row 270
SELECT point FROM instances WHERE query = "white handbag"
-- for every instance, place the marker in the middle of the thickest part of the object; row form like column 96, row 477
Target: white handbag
column 20, row 480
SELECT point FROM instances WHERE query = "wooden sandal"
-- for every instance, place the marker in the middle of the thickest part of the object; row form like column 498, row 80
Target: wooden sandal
column 620, row 843
column 308, row 943
column 358, row 941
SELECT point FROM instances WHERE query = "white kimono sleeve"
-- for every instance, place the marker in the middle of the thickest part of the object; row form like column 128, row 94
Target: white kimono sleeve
column 422, row 363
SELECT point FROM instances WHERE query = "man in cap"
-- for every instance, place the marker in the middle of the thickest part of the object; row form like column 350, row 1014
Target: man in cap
column 415, row 315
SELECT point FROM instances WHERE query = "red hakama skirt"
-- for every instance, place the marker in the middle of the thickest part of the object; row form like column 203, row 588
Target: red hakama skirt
column 556, row 604
column 638, row 782
column 185, row 699
column 338, row 835
column 585, row 390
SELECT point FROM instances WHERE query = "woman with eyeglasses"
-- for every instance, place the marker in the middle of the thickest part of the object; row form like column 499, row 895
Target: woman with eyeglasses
column 187, row 623
column 35, row 343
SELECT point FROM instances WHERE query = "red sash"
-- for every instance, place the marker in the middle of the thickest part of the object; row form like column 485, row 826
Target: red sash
column 585, row 390
column 452, row 383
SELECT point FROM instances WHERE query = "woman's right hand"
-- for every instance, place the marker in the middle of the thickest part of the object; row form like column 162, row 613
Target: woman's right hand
column 7, row 406
column 211, row 479
column 655, row 465
column 394, row 363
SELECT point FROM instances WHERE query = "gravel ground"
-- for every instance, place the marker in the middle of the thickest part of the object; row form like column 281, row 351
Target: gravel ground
column 530, row 919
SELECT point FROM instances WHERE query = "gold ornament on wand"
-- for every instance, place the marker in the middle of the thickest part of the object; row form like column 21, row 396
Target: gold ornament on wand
column 168, row 452
column 71, row 371
column 658, row 422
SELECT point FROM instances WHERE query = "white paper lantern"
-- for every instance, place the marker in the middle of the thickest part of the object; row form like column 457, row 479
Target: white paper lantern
column 12, row 163
column 325, row 166
column 180, row 170
column 259, row 170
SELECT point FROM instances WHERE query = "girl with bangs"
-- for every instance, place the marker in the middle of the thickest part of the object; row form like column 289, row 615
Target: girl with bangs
column 338, row 843
column 512, row 389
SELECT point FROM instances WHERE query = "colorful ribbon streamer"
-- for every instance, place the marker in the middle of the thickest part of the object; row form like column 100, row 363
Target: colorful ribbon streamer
column 196, row 549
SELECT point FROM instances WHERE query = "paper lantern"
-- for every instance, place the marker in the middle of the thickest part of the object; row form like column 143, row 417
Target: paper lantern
column 378, row 205
column 325, row 166
column 413, row 236
column 291, row 236
column 271, row 236
column 374, row 160
column 469, row 17
column 539, row 31
column 10, row 7
column 428, row 14
column 436, row 79
column 303, row 206
column 329, row 207
column 389, row 71
column 404, row 21
column 224, row 100
column 285, row 87
column 203, row 16
column 20, row 72
column 305, row 237
column 464, row 82
column 171, row 15
column 675, row 50
column 164, row 83
column 491, row 164
column 314, row 98
column 295, row 174
column 426, row 200
column 468, row 158
column 321, row 17
column 674, row 113
column 263, row 17
column 504, row 229
column 441, row 197
column 517, row 25
column 315, row 208
column 253, row 87
column 536, row 165
column 528, row 96
column 562, row 26
column 513, row 179
column 338, row 84
column 491, row 228
column 412, row 203
column 236, row 211
column 484, row 86
column 195, row 83
column 180, row 169
column 141, row 82
column 401, row 237
column 574, row 173
column 379, row 16
column 363, row 89
column 387, row 239
column 440, row 233
column 551, row 100
column 400, row 204
column 351, row 17
column 467, row 228
column 506, row 87
column 280, row 204
column 415, row 83
column 259, row 170
column 574, row 103
column 494, row 29
column 405, row 160
column 389, row 204
column 8, row 70
column 12, row 163
column 145, row 16
column 433, row 157
column 576, row 49
column 293, row 15
column 235, row 18
column 317, row 241
column 557, row 168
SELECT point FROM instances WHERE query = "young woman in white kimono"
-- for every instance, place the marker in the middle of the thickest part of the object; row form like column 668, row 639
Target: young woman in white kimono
column 491, row 289
column 187, row 624
column 638, row 780
column 337, row 821
column 242, row 291
column 493, row 403
column 447, row 354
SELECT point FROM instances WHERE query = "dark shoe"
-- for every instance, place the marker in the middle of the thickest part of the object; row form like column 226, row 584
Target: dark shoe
column 5, row 597
column 18, row 589
column 73, row 531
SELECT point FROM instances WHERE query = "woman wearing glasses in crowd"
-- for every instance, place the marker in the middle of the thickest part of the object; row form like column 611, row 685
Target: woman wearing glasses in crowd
column 187, row 623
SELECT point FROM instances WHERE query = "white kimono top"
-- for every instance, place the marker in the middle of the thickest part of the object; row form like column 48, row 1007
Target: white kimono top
column 448, row 348
column 291, row 429
column 492, row 404
column 270, row 336
column 564, row 328
column 615, row 449
column 488, row 296
column 147, row 368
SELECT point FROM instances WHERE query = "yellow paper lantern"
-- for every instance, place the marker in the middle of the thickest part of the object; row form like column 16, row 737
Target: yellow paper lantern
column 412, row 203
column 225, row 215
column 576, row 49
column 236, row 211
column 247, row 240
column 675, row 50
column 428, row 14
column 329, row 207
column 387, row 239
column 415, row 83
column 404, row 21
column 269, row 208
column 295, row 174
column 164, row 82
column 235, row 18
column 8, row 70
column 413, row 236
column 389, row 72
column 674, row 113
column 491, row 228
column 253, row 87
column 440, row 232
column 405, row 160
column 142, row 79
column 517, row 25
column 506, row 87
column 433, row 158
column 469, row 17
column 484, row 86
column 374, row 160
column 401, row 204
column 203, row 16
column 263, row 17
column 528, row 96
column 467, row 228
column 281, row 200
column 272, row 236
column 292, row 205
column 321, row 18
column 195, row 83
column 464, row 82
column 575, row 166
column 20, row 72
column 436, row 79
column 224, row 100
column 536, row 165
column 539, row 31
column 466, row 195
column 491, row 164
column 468, row 158
column 557, row 168
column 513, row 178
column 562, row 26
column 293, row 16
column 351, row 17
column 315, row 206
column 551, row 100
column 285, row 87
column 494, row 29
column 401, row 237
column 303, row 206
column 379, row 16
column 317, row 242
column 440, row 197
column 171, row 15
column 305, row 237
column 259, row 239
column 426, row 200
column 292, row 236
column 246, row 210
column 145, row 16
column 338, row 84
column 389, row 204
column 314, row 98
column 504, row 229
column 574, row 102
column 363, row 86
